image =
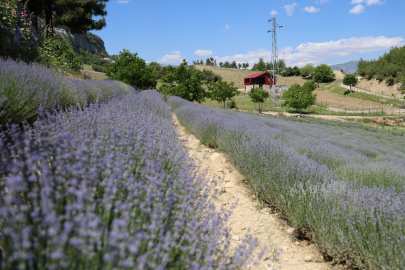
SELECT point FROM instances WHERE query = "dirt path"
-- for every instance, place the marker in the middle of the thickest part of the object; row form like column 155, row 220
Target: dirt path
column 270, row 230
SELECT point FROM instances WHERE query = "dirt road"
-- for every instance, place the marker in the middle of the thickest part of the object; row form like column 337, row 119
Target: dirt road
column 268, row 227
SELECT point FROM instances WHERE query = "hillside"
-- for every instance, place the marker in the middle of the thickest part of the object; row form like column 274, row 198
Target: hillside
column 236, row 76
column 391, row 65
column 348, row 67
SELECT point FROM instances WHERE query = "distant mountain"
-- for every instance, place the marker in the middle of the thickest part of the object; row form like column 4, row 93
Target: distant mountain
column 349, row 67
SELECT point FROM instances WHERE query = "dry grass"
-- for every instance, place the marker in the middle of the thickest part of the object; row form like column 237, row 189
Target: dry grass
column 94, row 74
column 237, row 75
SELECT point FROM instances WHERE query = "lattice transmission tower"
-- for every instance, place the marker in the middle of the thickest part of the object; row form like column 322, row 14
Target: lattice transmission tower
column 275, row 91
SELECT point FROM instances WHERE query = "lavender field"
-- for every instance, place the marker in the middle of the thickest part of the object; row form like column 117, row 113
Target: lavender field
column 341, row 184
column 108, row 186
column 24, row 88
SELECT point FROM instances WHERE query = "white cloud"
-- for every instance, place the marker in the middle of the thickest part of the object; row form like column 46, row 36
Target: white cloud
column 226, row 27
column 357, row 9
column 374, row 2
column 290, row 8
column 368, row 2
column 321, row 1
column 203, row 52
column 312, row 9
column 124, row 1
column 173, row 57
column 318, row 52
column 273, row 12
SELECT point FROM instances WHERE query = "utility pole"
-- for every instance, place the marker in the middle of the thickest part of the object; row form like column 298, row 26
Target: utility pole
column 276, row 99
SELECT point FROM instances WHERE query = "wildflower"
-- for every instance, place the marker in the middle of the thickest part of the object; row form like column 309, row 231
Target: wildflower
column 30, row 24
column 25, row 15
column 22, row 12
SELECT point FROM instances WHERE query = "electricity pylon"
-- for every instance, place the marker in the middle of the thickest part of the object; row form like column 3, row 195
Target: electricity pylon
column 275, row 92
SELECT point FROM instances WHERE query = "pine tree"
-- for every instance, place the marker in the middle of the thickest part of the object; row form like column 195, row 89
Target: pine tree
column 78, row 16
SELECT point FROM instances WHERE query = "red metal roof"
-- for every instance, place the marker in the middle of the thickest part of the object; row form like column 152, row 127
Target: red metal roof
column 262, row 74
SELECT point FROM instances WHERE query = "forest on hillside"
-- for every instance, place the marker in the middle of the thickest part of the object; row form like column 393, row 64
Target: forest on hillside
column 390, row 66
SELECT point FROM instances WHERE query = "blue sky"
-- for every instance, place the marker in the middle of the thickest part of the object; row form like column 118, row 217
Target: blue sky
column 316, row 31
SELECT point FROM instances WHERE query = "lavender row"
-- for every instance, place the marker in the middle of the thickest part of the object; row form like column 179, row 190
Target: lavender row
column 343, row 186
column 24, row 88
column 108, row 186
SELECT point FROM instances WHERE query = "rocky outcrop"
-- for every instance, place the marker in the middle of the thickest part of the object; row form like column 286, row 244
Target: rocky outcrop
column 87, row 41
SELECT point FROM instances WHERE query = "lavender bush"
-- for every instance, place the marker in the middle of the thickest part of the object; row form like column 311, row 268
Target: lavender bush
column 24, row 88
column 342, row 184
column 108, row 186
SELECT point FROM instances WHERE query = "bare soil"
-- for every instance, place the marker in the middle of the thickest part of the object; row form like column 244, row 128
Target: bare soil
column 380, row 87
column 338, row 75
column 270, row 229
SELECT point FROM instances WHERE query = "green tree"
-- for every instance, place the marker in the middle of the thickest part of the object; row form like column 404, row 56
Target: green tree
column 298, row 97
column 258, row 95
column 221, row 91
column 239, row 65
column 220, row 64
column 307, row 70
column 261, row 65
column 350, row 79
column 233, row 65
column 77, row 16
column 132, row 69
column 185, row 83
column 296, row 71
column 310, row 85
column 246, row 65
column 318, row 78
column 326, row 72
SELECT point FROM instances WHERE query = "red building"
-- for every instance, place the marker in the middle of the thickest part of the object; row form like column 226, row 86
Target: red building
column 259, row 80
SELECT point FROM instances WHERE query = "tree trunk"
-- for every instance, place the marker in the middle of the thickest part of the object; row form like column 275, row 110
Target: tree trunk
column 300, row 111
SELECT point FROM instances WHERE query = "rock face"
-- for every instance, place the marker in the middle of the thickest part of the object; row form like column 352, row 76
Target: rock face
column 88, row 40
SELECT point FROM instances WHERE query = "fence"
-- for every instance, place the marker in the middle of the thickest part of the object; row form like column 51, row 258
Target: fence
column 320, row 108
column 398, row 102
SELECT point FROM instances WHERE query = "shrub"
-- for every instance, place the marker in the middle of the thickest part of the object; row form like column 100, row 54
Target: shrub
column 390, row 81
column 349, row 193
column 25, row 87
column 108, row 187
